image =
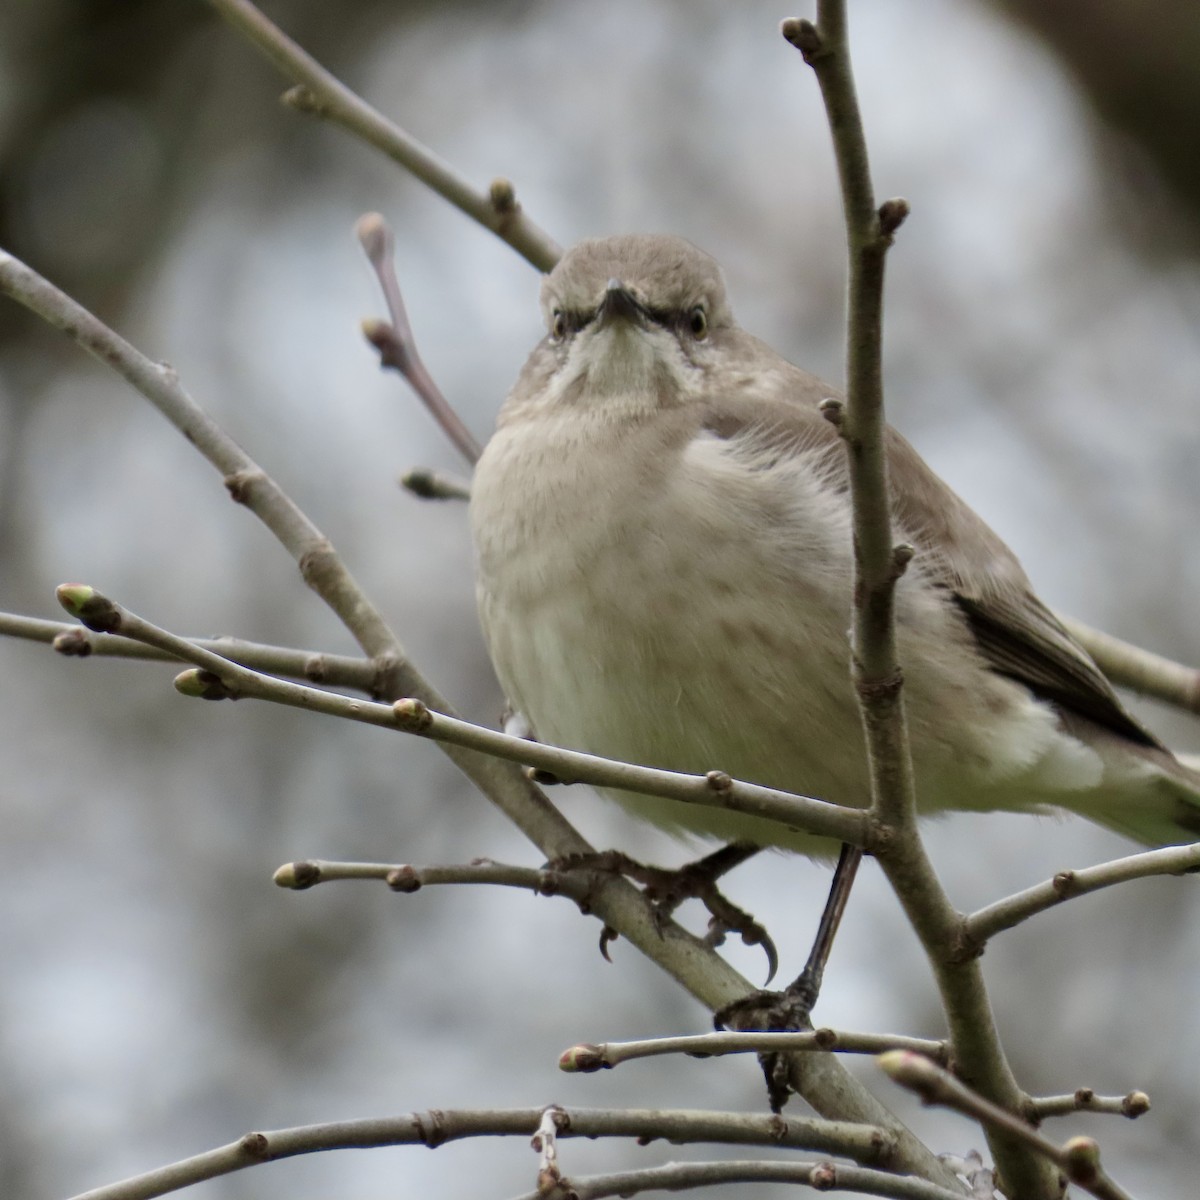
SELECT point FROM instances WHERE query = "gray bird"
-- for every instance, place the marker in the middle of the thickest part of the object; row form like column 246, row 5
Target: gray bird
column 663, row 535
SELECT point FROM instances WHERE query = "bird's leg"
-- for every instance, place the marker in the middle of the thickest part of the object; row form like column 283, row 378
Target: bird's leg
column 668, row 889
column 790, row 1009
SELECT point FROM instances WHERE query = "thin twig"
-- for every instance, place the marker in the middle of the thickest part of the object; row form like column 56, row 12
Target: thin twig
column 404, row 877
column 878, row 565
column 396, row 344
column 1066, row 885
column 435, row 485
column 678, row 1177
column 1132, row 1105
column 72, row 641
column 322, row 94
column 221, row 678
column 1140, row 670
column 595, row 1056
column 1078, row 1158
column 434, row 1128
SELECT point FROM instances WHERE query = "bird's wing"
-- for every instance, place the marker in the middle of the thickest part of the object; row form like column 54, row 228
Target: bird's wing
column 1015, row 633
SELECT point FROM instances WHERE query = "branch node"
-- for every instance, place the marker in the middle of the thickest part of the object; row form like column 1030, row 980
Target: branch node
column 892, row 214
column 1064, row 884
column 72, row 643
column 316, row 668
column 834, row 411
column 240, row 483
column 304, row 100
column 902, row 555
column 313, row 563
column 255, row 1145
column 412, row 715
column 503, row 198
column 804, row 35
column 404, row 879
column 823, row 1178
column 879, row 691
column 720, row 782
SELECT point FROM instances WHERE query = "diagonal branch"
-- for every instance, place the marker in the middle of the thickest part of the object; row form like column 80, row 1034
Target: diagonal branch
column 1009, row 912
column 1078, row 1158
column 324, row 95
column 395, row 342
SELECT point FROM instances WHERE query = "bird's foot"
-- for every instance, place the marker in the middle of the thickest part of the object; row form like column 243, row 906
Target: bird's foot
column 667, row 889
column 786, row 1011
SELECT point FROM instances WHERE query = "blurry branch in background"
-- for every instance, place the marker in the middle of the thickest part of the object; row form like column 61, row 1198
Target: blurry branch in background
column 1140, row 670
column 322, row 94
column 433, row 1129
column 1078, row 1158
column 395, row 342
column 878, row 565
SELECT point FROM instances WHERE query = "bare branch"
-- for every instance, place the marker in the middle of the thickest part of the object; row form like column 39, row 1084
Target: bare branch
column 403, row 877
column 435, row 485
column 591, row 1056
column 821, row 1177
column 322, row 94
column 1132, row 1104
column 334, row 670
column 879, row 563
column 1139, row 670
column 1066, row 885
column 433, row 1129
column 395, row 342
column 103, row 614
column 1078, row 1158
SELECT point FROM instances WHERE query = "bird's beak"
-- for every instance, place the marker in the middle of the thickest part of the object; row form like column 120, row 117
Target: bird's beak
column 620, row 303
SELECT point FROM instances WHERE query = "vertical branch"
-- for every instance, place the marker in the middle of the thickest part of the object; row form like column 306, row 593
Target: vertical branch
column 878, row 565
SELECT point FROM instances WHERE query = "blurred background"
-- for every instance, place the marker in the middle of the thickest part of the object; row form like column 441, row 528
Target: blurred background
column 159, row 995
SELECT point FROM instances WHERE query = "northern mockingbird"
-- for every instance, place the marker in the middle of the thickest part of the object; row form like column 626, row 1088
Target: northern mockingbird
column 663, row 530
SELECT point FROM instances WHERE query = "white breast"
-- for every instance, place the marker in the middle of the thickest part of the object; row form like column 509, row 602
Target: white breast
column 689, row 610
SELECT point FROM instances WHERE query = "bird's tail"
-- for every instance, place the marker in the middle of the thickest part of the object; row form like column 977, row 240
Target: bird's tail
column 1154, row 798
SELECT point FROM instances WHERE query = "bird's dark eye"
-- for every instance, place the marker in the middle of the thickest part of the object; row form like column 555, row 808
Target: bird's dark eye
column 698, row 323
column 558, row 325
